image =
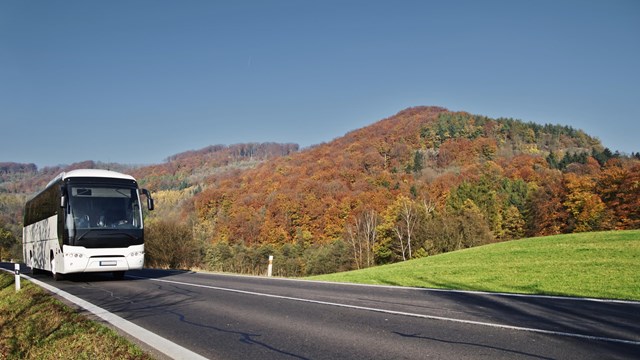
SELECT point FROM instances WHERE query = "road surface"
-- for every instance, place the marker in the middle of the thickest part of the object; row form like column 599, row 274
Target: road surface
column 238, row 317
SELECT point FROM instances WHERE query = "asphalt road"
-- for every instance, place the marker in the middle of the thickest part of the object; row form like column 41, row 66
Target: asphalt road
column 237, row 317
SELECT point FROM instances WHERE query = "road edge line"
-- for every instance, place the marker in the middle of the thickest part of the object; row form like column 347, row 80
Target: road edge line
column 159, row 343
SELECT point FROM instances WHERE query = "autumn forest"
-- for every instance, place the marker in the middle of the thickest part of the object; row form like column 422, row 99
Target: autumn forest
column 422, row 182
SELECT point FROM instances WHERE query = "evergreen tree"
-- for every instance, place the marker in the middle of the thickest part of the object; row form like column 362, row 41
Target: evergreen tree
column 418, row 161
column 552, row 160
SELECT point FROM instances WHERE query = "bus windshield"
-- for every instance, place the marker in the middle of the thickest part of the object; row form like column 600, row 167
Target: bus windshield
column 103, row 207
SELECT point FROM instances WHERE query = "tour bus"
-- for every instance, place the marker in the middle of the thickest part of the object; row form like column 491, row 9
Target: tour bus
column 85, row 221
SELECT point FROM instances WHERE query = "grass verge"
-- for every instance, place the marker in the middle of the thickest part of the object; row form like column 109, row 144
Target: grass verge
column 598, row 265
column 35, row 325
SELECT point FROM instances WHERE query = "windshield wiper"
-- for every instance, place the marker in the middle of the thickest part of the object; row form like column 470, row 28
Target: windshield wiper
column 85, row 233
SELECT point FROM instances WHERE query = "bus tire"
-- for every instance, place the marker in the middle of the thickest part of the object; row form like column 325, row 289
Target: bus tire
column 56, row 276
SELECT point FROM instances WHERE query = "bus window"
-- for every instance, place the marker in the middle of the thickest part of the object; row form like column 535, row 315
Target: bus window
column 105, row 207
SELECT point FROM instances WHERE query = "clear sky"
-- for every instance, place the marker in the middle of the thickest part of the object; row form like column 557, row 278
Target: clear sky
column 137, row 81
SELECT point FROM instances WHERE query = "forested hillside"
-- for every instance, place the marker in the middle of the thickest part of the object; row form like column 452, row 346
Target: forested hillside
column 422, row 182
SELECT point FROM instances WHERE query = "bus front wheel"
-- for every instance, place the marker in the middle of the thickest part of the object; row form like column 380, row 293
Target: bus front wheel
column 56, row 276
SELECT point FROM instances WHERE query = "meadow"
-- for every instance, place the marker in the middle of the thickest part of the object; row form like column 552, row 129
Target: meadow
column 596, row 265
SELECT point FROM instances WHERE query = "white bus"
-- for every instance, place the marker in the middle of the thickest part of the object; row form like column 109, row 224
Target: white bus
column 85, row 221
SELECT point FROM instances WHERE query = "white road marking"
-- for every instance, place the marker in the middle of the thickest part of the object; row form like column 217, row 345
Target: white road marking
column 392, row 312
column 159, row 343
column 474, row 292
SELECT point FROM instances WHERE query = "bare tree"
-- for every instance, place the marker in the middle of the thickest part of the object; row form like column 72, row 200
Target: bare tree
column 428, row 206
column 369, row 225
column 405, row 226
column 362, row 237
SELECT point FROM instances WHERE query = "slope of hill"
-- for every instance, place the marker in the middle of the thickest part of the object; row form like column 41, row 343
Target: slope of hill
column 595, row 265
column 422, row 182
column 194, row 167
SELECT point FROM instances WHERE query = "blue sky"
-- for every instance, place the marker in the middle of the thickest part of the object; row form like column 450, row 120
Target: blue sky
column 137, row 81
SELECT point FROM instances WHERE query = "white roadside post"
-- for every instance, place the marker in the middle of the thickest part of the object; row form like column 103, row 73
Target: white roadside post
column 270, row 267
column 17, row 268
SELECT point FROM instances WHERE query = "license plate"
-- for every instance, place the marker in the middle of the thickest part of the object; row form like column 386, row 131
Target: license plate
column 108, row 263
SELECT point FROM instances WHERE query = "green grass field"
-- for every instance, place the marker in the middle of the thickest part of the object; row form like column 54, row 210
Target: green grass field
column 598, row 265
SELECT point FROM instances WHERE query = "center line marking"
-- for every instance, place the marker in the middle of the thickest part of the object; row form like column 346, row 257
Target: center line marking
column 393, row 312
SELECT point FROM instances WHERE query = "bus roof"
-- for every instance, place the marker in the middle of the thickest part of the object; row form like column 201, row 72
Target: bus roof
column 98, row 173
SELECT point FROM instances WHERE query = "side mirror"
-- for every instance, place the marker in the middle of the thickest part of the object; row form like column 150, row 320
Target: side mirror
column 147, row 193
column 63, row 197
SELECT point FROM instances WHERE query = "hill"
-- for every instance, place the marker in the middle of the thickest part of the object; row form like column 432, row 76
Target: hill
column 192, row 168
column 595, row 265
column 422, row 182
